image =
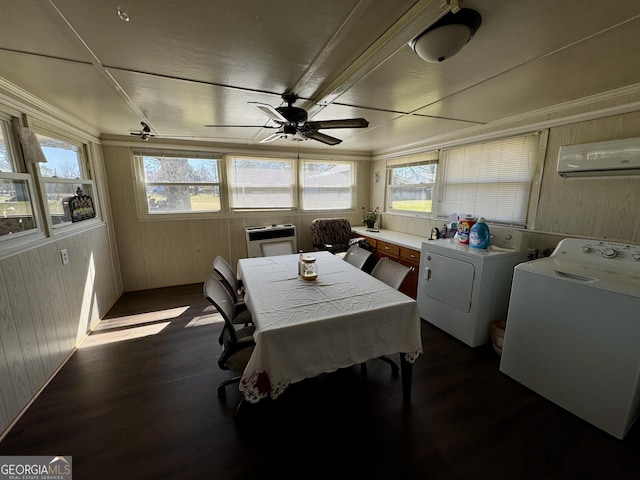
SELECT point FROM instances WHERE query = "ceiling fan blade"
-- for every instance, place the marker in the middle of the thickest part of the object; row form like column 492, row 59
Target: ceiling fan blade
column 321, row 137
column 270, row 112
column 241, row 126
column 271, row 138
column 344, row 123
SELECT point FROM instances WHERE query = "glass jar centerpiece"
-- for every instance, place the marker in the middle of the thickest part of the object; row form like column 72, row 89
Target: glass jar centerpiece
column 309, row 268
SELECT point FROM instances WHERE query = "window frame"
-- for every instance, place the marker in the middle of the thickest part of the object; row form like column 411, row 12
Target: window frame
column 140, row 190
column 303, row 187
column 293, row 186
column 20, row 174
column 425, row 158
column 37, row 230
column 85, row 170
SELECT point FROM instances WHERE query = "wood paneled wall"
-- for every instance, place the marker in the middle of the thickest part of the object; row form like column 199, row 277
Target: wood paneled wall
column 46, row 308
column 159, row 253
column 598, row 207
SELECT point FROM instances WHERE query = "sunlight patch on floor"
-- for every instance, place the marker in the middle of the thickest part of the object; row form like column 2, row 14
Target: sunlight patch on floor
column 140, row 318
column 123, row 334
column 202, row 320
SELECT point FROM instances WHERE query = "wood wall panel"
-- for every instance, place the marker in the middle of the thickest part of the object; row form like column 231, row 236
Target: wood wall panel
column 12, row 366
column 46, row 308
column 161, row 253
column 600, row 207
column 46, row 311
column 19, row 298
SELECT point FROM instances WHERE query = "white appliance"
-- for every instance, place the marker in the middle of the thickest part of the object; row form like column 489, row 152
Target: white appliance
column 573, row 330
column 462, row 290
column 615, row 157
column 269, row 240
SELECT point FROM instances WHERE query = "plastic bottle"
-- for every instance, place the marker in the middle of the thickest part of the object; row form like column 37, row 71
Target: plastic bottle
column 479, row 236
column 464, row 229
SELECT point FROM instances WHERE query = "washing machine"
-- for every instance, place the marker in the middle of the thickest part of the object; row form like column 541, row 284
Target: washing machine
column 573, row 331
column 462, row 290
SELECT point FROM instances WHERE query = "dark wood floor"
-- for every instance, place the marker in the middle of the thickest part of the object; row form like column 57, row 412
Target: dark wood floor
column 145, row 407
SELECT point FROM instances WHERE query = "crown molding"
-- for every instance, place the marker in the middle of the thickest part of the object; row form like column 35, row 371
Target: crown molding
column 24, row 102
column 556, row 115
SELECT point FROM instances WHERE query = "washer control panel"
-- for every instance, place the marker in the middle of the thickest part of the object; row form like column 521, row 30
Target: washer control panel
column 608, row 254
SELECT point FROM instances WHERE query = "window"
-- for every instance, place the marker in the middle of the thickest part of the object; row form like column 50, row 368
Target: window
column 491, row 179
column 261, row 183
column 411, row 182
column 16, row 206
column 63, row 176
column 327, row 185
column 188, row 183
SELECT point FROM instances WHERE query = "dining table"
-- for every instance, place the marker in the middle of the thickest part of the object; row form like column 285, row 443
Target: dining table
column 304, row 328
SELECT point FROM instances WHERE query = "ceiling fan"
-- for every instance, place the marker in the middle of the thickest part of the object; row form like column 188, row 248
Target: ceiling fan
column 144, row 133
column 292, row 121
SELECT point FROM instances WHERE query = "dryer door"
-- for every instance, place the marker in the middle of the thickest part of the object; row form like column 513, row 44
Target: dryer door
column 448, row 280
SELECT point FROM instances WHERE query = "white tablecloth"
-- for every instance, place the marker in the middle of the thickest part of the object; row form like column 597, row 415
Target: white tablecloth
column 305, row 328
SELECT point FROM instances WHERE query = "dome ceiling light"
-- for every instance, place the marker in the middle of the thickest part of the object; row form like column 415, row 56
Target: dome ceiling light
column 447, row 36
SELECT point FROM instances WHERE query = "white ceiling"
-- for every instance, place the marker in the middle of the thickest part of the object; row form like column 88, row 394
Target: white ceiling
column 182, row 65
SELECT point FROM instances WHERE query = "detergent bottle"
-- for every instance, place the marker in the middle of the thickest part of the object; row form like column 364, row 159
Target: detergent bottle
column 479, row 236
column 464, row 229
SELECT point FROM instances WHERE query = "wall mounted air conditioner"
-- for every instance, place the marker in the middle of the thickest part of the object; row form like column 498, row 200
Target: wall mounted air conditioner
column 615, row 157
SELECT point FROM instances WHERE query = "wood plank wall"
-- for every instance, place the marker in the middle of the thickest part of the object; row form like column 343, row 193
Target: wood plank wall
column 602, row 207
column 46, row 308
column 159, row 253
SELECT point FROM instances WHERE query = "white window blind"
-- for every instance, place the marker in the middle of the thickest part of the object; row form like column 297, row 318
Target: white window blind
column 490, row 180
column 261, row 183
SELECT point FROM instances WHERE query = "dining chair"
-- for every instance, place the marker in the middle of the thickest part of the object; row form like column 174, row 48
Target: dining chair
column 358, row 257
column 230, row 281
column 238, row 343
column 393, row 274
column 390, row 272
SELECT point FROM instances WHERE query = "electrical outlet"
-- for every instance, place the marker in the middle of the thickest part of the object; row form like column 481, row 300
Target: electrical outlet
column 65, row 256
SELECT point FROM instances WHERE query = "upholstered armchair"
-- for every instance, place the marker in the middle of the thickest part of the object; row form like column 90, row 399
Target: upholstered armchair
column 332, row 234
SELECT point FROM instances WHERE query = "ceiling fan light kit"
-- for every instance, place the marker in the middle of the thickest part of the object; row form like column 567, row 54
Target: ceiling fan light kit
column 447, row 36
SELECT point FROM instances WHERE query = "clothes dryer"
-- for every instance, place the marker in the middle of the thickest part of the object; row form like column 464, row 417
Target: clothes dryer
column 573, row 331
column 461, row 289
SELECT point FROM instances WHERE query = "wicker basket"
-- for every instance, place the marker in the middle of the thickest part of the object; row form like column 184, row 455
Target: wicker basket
column 497, row 335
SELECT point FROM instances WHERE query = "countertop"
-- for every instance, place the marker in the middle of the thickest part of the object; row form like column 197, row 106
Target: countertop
column 398, row 238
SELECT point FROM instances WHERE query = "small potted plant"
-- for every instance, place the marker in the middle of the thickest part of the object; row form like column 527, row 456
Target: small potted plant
column 369, row 218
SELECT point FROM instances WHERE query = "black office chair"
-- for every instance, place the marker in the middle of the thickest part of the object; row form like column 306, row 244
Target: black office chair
column 238, row 343
column 359, row 257
column 230, row 280
column 393, row 274
column 234, row 286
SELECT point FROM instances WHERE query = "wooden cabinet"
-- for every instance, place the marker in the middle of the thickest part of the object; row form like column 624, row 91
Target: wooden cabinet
column 385, row 249
column 410, row 258
column 404, row 255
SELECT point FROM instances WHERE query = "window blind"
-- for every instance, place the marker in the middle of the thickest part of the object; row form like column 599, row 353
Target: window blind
column 490, row 180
